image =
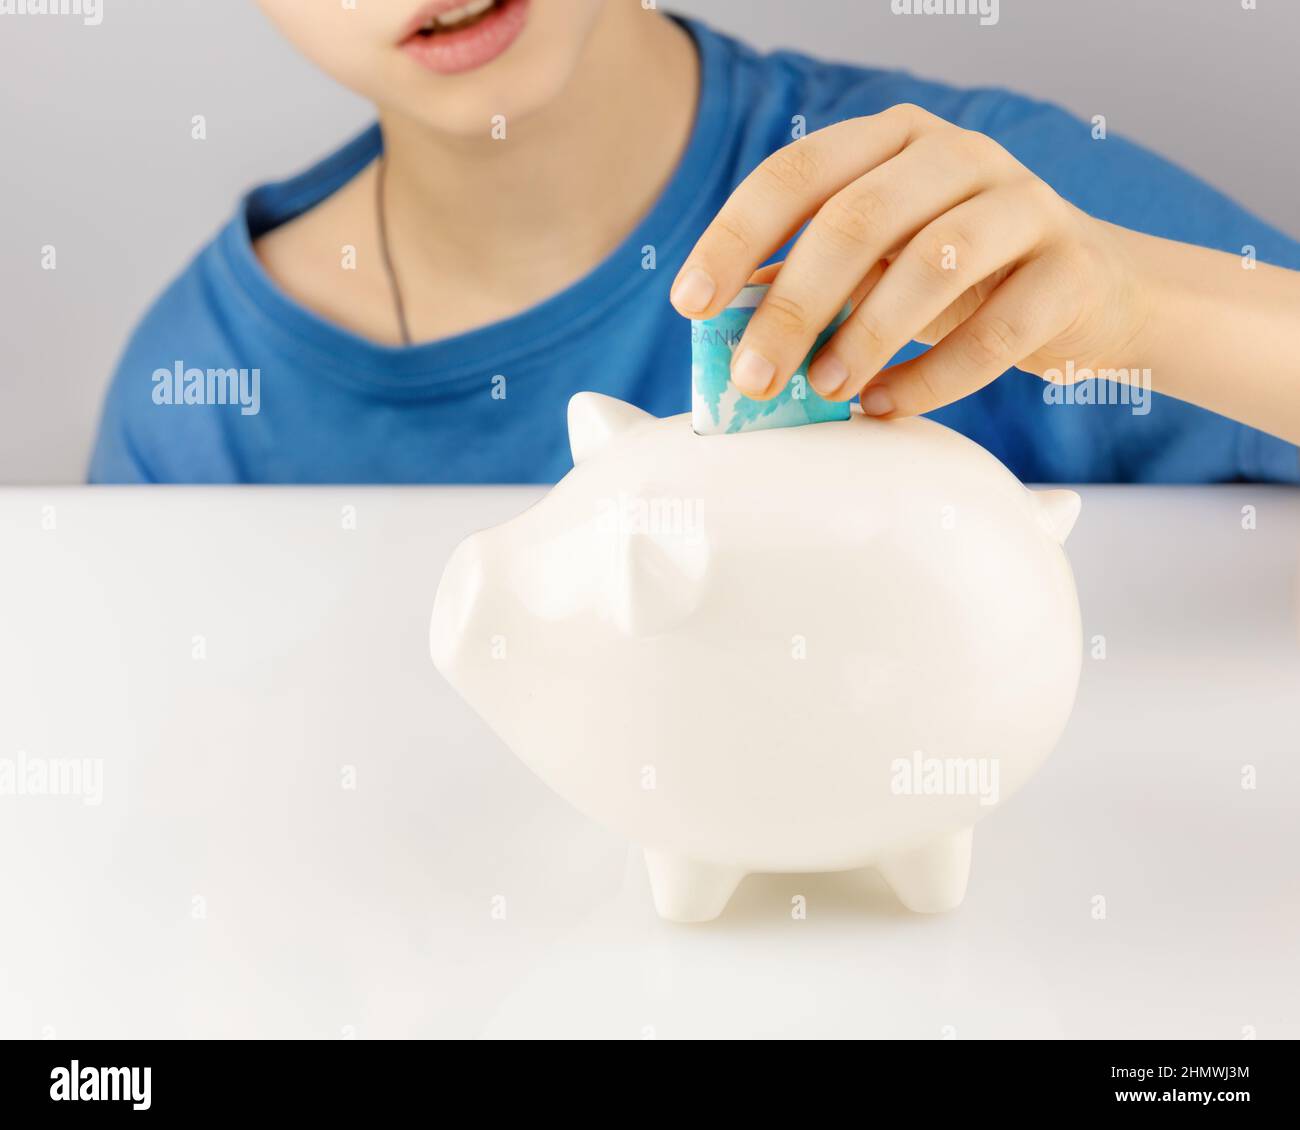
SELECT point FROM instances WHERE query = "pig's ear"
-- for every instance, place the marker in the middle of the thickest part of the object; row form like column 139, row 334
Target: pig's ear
column 1058, row 510
column 595, row 420
column 658, row 581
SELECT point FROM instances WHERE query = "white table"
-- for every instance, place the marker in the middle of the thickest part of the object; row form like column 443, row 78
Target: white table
column 229, row 884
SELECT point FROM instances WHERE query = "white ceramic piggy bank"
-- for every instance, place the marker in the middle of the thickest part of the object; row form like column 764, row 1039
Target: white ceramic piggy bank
column 804, row 649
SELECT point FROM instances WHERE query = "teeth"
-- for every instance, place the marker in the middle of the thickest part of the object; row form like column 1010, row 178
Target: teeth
column 465, row 12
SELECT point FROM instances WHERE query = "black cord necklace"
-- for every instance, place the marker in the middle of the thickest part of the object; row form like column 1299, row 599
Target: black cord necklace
column 381, row 208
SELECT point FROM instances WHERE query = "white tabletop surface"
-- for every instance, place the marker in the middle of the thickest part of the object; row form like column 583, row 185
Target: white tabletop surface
column 229, row 884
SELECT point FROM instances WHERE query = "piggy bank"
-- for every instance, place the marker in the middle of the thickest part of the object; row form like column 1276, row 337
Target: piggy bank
column 817, row 648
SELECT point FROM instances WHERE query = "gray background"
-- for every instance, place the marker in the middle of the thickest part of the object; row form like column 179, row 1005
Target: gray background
column 98, row 160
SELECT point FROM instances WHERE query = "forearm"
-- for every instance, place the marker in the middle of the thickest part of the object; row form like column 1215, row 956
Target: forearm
column 1220, row 335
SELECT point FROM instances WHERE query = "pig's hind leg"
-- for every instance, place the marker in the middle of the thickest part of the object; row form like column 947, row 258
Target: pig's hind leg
column 689, row 890
column 932, row 878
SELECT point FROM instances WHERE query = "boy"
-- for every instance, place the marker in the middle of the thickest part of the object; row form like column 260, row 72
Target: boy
column 546, row 178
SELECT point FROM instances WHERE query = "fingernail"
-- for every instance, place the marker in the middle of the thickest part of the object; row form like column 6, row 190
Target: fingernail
column 693, row 290
column 877, row 402
column 752, row 373
column 827, row 374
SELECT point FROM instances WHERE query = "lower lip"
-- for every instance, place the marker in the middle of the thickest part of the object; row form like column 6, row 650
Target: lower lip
column 455, row 52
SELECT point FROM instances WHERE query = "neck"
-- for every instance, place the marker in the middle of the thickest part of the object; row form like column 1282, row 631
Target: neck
column 515, row 220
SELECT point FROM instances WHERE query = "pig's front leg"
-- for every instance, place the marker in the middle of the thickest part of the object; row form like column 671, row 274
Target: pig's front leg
column 932, row 878
column 689, row 890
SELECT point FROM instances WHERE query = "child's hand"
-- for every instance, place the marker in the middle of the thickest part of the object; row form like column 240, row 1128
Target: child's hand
column 938, row 235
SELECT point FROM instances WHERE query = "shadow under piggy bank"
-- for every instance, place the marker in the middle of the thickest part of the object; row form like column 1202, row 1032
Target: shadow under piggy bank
column 797, row 650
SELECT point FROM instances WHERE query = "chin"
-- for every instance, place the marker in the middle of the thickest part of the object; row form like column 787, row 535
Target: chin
column 473, row 106
column 512, row 63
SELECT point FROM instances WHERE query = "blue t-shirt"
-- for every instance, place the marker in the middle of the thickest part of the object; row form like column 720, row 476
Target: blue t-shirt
column 326, row 405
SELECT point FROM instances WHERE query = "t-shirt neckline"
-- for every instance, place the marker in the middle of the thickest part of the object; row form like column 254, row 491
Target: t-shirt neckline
column 676, row 217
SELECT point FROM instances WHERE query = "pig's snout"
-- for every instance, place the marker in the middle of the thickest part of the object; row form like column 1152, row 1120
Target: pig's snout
column 453, row 606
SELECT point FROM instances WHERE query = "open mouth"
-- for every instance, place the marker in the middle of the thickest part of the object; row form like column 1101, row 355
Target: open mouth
column 458, row 18
column 454, row 36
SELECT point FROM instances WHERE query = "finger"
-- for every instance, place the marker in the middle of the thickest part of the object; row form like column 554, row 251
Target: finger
column 856, row 228
column 773, row 202
column 1031, row 307
column 866, row 285
column 764, row 276
column 949, row 256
